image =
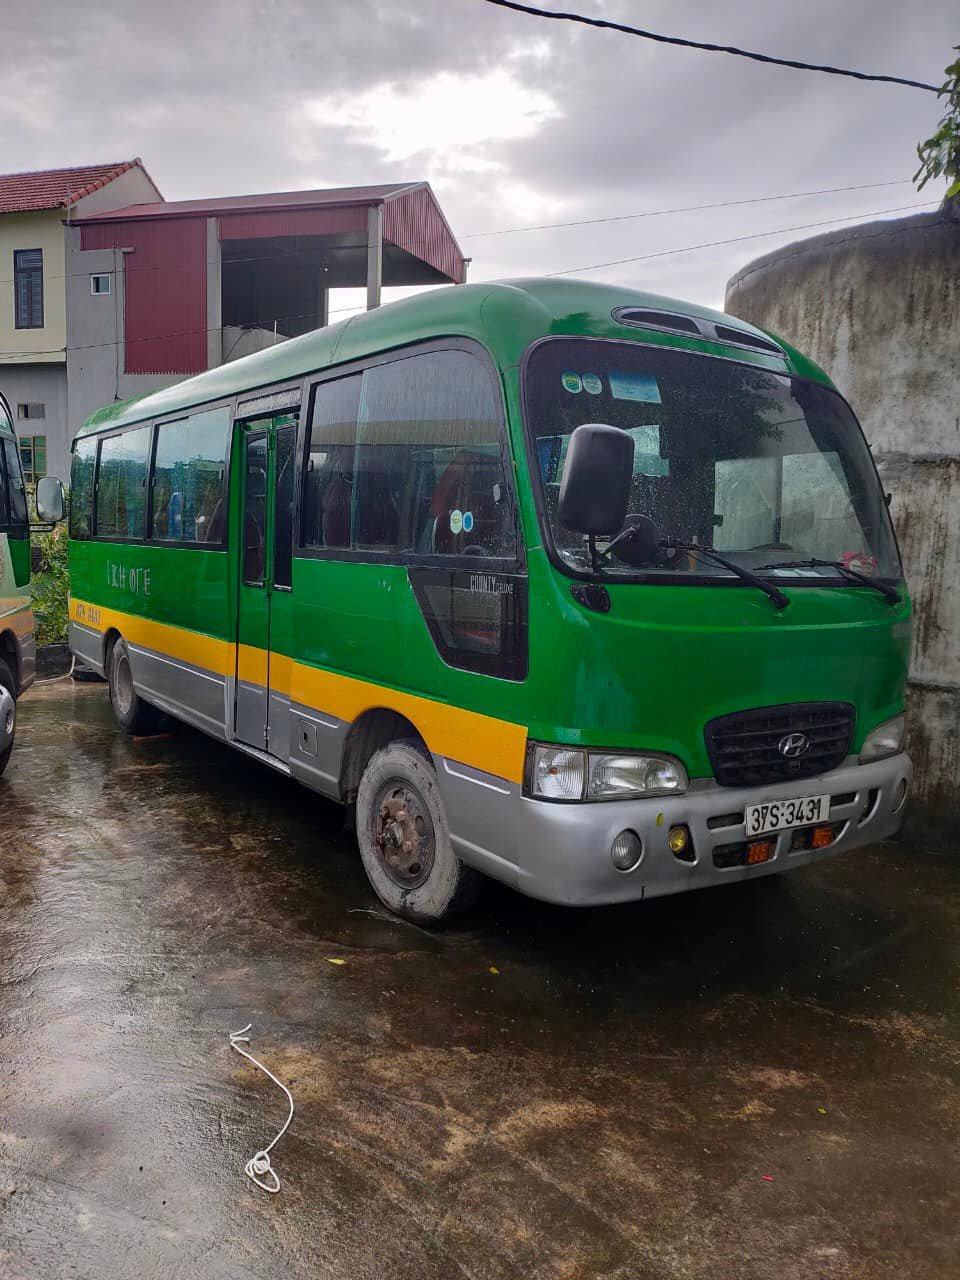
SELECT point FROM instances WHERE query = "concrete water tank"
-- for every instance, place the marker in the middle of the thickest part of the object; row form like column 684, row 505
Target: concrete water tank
column 878, row 305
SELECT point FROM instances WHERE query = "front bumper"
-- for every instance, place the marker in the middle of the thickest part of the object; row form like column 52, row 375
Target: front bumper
column 564, row 849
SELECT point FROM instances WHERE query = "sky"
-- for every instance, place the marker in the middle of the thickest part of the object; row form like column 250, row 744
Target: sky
column 514, row 120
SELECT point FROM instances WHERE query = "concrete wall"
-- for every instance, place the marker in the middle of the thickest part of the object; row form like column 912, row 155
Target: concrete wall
column 879, row 307
column 46, row 383
column 41, row 230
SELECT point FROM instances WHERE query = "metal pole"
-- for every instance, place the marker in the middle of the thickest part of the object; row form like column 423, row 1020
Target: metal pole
column 374, row 255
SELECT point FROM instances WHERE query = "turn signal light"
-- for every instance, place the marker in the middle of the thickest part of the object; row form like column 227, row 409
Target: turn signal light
column 822, row 837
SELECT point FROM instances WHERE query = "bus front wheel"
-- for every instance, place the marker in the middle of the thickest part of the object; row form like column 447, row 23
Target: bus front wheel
column 8, row 713
column 134, row 716
column 404, row 838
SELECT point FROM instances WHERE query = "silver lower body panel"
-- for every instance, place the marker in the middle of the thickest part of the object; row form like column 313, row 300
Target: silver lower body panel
column 564, row 849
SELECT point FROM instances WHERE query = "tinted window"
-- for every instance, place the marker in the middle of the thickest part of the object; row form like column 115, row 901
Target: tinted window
column 255, row 510
column 421, row 472
column 122, row 484
column 4, row 505
column 328, row 478
column 283, row 506
column 81, row 488
column 766, row 468
column 16, row 494
column 188, row 478
column 28, row 288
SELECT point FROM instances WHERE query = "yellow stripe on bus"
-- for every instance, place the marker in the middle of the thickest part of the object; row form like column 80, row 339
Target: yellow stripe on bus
column 203, row 651
column 483, row 742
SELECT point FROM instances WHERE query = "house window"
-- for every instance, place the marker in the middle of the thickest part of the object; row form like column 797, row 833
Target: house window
column 32, row 410
column 100, row 283
column 33, row 455
column 28, row 288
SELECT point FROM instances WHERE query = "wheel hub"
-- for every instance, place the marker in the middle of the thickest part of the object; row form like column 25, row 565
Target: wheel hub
column 8, row 717
column 404, row 835
column 124, row 685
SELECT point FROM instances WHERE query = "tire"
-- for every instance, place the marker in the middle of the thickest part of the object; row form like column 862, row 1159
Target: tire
column 404, row 838
column 134, row 716
column 8, row 713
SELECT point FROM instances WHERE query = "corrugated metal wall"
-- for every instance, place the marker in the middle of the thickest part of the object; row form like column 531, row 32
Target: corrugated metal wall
column 165, row 282
column 414, row 222
column 293, row 222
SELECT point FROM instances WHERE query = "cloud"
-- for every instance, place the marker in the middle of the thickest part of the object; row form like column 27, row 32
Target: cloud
column 513, row 119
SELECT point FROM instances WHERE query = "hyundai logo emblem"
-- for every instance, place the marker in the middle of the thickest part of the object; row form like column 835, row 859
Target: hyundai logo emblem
column 793, row 745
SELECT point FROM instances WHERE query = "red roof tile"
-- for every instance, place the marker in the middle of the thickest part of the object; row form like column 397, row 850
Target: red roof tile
column 56, row 188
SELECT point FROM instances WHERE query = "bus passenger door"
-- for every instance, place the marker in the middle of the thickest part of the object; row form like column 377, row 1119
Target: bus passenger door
column 253, row 622
column 265, row 608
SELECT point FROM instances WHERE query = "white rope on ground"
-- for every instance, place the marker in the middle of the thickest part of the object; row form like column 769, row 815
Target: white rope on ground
column 258, row 1166
column 66, row 675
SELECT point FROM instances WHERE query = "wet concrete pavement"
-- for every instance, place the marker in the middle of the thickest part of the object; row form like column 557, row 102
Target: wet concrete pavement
column 753, row 1082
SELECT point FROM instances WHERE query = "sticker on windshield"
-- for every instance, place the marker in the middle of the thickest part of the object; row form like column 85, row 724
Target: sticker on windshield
column 635, row 386
column 467, row 521
column 593, row 383
column 456, row 520
column 572, row 382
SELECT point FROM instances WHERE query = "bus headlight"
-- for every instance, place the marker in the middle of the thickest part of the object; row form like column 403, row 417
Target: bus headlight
column 886, row 740
column 564, row 773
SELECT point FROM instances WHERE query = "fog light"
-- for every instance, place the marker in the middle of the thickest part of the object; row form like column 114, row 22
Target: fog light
column 900, row 795
column 760, row 851
column 681, row 846
column 626, row 851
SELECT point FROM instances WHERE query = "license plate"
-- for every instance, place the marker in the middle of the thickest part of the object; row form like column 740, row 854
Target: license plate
column 778, row 814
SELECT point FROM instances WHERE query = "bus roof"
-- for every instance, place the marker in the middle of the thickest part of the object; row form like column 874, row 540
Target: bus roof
column 505, row 316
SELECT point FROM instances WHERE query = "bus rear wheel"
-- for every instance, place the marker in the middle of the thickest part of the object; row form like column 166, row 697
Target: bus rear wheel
column 8, row 713
column 404, row 838
column 134, row 716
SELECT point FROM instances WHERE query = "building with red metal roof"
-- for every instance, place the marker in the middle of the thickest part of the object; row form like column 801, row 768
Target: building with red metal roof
column 131, row 292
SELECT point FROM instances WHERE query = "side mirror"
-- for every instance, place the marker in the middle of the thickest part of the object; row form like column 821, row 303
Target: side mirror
column 50, row 501
column 595, row 488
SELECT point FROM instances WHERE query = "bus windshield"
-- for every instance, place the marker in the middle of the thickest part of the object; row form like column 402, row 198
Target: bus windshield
column 768, row 470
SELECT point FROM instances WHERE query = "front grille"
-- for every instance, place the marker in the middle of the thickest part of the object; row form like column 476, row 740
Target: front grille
column 745, row 748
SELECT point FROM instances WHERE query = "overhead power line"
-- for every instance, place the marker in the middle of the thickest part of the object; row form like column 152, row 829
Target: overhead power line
column 690, row 208
column 710, row 48
column 596, row 266
column 755, row 235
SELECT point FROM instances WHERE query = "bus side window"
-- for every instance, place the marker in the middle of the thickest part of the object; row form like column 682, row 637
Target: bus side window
column 4, row 504
column 283, row 506
column 81, row 488
column 429, row 470
column 121, row 498
column 255, row 511
column 16, row 493
column 189, row 470
column 328, row 474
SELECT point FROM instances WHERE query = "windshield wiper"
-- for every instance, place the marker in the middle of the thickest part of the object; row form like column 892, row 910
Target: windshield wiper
column 888, row 593
column 777, row 596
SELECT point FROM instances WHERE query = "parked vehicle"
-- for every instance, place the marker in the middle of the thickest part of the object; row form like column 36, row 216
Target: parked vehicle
column 587, row 590
column 17, row 644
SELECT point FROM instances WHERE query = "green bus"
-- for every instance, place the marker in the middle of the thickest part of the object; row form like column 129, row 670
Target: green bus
column 589, row 591
column 17, row 643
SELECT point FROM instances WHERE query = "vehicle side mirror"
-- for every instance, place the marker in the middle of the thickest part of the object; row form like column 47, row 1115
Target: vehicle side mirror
column 51, row 504
column 595, row 488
